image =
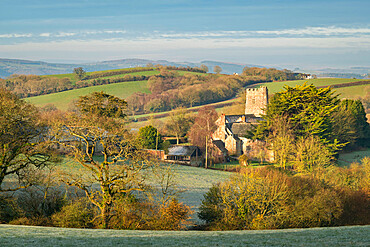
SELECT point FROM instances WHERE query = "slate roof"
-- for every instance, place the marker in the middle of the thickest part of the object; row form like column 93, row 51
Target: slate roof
column 240, row 129
column 220, row 145
column 249, row 118
column 181, row 150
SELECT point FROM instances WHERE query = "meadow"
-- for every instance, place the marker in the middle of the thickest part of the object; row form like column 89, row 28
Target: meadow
column 62, row 100
column 72, row 77
column 275, row 87
column 50, row 236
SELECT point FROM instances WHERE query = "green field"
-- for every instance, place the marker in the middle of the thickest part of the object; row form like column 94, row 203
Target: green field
column 62, row 100
column 275, row 87
column 353, row 92
column 48, row 236
column 73, row 78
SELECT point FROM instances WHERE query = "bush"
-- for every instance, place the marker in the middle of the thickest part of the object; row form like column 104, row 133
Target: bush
column 266, row 198
column 77, row 214
column 32, row 221
column 173, row 215
column 38, row 201
column 9, row 209
column 128, row 213
column 134, row 214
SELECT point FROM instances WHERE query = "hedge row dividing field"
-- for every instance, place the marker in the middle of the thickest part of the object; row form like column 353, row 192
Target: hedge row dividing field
column 47, row 236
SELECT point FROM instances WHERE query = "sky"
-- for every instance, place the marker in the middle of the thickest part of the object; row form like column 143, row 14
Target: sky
column 284, row 33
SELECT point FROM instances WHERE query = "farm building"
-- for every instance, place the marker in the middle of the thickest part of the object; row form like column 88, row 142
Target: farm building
column 186, row 155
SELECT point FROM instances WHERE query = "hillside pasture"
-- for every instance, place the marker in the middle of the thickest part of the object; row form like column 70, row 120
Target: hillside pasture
column 62, row 100
column 275, row 87
column 49, row 236
column 73, row 77
column 145, row 73
column 353, row 92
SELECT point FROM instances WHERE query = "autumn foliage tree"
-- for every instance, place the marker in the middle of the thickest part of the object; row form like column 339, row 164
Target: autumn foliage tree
column 178, row 123
column 99, row 130
column 202, row 129
column 79, row 72
column 268, row 198
column 22, row 141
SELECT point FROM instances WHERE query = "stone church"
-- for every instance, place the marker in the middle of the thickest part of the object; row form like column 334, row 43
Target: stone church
column 229, row 136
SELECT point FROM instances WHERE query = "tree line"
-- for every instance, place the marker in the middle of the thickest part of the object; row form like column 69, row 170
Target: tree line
column 272, row 74
column 32, row 85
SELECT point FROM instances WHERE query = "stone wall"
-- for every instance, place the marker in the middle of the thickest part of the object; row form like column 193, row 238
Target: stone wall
column 256, row 101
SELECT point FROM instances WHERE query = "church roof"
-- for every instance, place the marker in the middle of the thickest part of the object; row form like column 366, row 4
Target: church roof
column 251, row 118
column 240, row 129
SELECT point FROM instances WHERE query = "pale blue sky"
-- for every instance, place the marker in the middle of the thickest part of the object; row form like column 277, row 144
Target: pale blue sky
column 312, row 34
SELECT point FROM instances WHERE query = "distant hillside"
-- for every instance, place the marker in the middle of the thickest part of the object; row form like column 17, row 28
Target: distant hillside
column 15, row 66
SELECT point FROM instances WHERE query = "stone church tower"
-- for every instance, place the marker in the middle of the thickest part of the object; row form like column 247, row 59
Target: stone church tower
column 256, row 101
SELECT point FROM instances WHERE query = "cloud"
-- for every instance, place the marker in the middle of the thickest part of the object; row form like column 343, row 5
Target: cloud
column 16, row 35
column 319, row 31
column 306, row 32
column 115, row 31
column 45, row 34
column 64, row 34
column 195, row 43
column 222, row 36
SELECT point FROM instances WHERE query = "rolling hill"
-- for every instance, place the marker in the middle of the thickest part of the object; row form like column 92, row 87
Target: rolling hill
column 124, row 89
column 62, row 100
column 15, row 66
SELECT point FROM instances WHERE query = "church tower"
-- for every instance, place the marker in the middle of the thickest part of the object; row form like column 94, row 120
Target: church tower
column 256, row 101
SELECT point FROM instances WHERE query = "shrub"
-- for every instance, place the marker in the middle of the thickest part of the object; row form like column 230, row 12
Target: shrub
column 267, row 198
column 173, row 215
column 38, row 201
column 9, row 209
column 77, row 214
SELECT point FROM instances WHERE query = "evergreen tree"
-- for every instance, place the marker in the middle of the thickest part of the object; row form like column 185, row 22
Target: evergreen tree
column 149, row 137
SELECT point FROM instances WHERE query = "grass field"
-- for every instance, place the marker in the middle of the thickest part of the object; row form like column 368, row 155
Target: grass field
column 73, row 78
column 47, row 236
column 353, row 92
column 62, row 100
column 146, row 73
column 347, row 159
column 275, row 87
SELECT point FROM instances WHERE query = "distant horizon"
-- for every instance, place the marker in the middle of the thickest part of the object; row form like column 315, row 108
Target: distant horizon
column 80, row 62
column 311, row 34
